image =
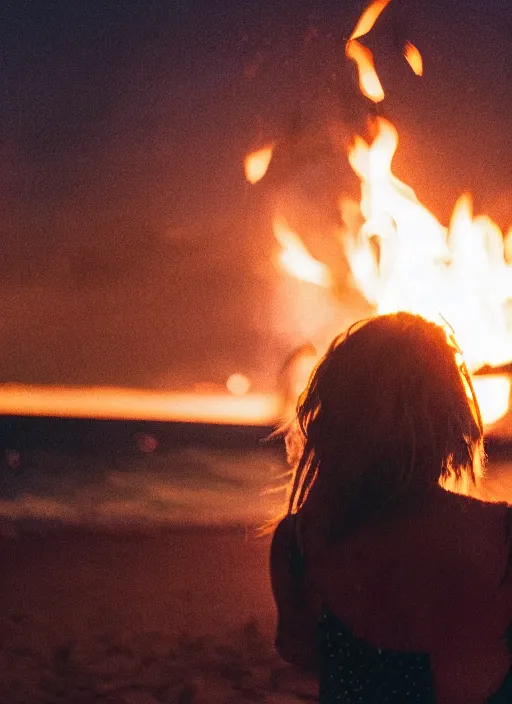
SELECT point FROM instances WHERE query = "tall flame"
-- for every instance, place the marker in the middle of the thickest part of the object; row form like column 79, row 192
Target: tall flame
column 459, row 273
column 369, row 82
column 368, row 18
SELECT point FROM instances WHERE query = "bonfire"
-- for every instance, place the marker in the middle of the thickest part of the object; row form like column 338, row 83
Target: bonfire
column 401, row 258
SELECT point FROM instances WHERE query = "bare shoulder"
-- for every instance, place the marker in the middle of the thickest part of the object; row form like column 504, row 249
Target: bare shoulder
column 282, row 545
column 281, row 555
column 283, row 533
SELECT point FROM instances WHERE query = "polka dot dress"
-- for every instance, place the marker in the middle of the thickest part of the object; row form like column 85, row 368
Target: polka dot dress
column 354, row 672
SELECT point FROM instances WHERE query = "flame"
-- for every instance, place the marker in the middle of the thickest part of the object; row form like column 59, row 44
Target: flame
column 457, row 273
column 493, row 394
column 368, row 18
column 508, row 246
column 257, row 163
column 403, row 258
column 462, row 273
column 295, row 259
column 369, row 82
column 413, row 58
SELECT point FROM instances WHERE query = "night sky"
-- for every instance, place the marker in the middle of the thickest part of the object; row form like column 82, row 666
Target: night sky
column 133, row 252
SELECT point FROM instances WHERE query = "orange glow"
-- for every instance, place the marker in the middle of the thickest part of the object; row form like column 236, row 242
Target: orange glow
column 493, row 394
column 257, row 163
column 492, row 391
column 238, row 384
column 368, row 18
column 295, row 259
column 413, row 58
column 369, row 82
column 508, row 246
column 135, row 404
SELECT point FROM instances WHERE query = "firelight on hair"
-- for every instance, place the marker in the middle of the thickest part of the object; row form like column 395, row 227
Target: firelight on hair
column 388, row 413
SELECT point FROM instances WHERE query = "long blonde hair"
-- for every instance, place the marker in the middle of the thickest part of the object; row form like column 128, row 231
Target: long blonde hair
column 388, row 413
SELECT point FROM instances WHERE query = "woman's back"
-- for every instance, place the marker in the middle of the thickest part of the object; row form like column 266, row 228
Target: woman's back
column 433, row 581
column 389, row 417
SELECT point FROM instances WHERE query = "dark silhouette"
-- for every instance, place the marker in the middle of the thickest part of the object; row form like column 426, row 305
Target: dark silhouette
column 293, row 376
column 390, row 580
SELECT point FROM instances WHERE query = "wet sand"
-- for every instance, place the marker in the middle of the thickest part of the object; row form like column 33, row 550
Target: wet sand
column 137, row 617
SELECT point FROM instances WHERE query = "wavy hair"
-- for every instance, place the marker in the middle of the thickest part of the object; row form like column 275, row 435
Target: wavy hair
column 389, row 412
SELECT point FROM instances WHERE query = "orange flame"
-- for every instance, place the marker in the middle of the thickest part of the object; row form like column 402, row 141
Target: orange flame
column 295, row 259
column 368, row 80
column 413, row 58
column 508, row 246
column 368, row 18
column 257, row 163
column 402, row 258
column 459, row 273
column 493, row 395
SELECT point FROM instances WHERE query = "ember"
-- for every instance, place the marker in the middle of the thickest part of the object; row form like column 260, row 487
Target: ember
column 413, row 58
column 257, row 163
column 368, row 18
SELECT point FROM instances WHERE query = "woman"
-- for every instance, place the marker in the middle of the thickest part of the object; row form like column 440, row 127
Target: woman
column 392, row 587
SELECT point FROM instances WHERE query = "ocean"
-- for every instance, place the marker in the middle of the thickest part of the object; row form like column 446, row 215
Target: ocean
column 131, row 473
column 124, row 472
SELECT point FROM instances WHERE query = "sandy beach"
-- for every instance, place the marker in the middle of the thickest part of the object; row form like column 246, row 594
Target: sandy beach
column 138, row 617
column 105, row 598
